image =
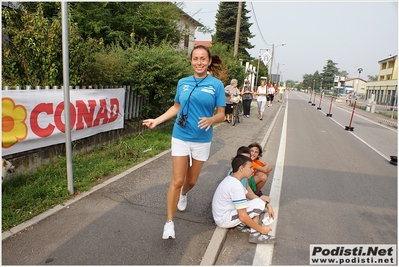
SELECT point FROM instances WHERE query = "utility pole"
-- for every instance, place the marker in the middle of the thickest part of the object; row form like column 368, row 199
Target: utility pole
column 237, row 40
column 271, row 65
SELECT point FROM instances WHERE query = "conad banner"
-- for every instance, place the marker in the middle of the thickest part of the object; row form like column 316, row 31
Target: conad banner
column 35, row 118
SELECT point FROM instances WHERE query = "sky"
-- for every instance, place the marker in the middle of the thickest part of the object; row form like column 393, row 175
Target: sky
column 352, row 34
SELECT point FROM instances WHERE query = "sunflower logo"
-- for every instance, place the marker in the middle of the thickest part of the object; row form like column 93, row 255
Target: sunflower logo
column 13, row 124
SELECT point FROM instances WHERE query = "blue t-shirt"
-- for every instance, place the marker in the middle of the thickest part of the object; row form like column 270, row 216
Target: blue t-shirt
column 208, row 95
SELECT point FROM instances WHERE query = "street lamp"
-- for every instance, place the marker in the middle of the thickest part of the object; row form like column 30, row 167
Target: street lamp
column 321, row 86
column 357, row 86
column 257, row 70
column 278, row 76
column 271, row 61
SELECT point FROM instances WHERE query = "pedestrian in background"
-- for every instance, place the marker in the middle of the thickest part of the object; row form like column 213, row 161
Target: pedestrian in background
column 247, row 96
column 270, row 94
column 280, row 94
column 230, row 90
column 261, row 98
column 196, row 98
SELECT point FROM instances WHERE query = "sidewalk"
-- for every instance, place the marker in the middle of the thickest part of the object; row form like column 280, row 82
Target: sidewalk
column 120, row 222
column 340, row 102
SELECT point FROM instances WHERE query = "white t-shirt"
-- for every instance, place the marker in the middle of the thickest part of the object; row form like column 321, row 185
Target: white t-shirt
column 228, row 198
column 261, row 90
column 271, row 90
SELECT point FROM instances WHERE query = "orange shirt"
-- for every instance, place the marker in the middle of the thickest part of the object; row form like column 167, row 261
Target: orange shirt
column 256, row 163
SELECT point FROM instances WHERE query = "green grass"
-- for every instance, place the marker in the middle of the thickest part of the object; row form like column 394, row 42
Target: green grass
column 387, row 114
column 27, row 195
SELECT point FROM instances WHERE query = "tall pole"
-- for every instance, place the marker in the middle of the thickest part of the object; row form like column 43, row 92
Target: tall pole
column 65, row 66
column 257, row 70
column 271, row 65
column 358, row 79
column 237, row 40
column 278, row 77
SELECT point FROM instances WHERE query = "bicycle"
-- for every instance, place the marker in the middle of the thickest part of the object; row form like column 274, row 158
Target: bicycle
column 236, row 115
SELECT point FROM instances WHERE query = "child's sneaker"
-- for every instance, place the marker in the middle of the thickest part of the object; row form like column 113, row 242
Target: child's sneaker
column 243, row 228
column 259, row 238
column 182, row 205
column 169, row 230
column 267, row 221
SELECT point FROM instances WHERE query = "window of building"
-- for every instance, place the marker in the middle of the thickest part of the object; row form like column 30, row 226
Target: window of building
column 389, row 77
column 390, row 64
column 381, row 78
column 186, row 40
column 384, row 66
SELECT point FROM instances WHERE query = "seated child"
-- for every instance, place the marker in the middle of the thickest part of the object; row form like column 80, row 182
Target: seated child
column 261, row 169
column 230, row 206
column 244, row 150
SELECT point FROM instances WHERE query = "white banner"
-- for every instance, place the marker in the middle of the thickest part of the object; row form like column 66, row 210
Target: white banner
column 35, row 118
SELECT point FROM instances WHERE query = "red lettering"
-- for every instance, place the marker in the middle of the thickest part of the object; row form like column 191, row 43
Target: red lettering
column 114, row 109
column 102, row 113
column 57, row 116
column 85, row 113
column 36, row 129
column 81, row 115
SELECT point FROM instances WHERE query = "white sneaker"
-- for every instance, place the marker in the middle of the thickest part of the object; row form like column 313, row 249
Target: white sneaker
column 267, row 221
column 169, row 230
column 182, row 205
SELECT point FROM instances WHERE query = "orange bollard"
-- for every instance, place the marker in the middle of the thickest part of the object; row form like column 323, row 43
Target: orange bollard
column 350, row 128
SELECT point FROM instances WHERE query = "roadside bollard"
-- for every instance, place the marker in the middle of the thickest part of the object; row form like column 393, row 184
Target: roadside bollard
column 350, row 128
column 321, row 97
column 314, row 99
column 329, row 111
column 394, row 160
column 310, row 99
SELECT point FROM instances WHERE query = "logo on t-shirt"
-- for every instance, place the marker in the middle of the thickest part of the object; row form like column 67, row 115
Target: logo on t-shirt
column 209, row 90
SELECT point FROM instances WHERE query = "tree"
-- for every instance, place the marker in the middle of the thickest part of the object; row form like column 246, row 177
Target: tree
column 290, row 83
column 226, row 22
column 127, row 22
column 372, row 78
column 32, row 53
column 329, row 72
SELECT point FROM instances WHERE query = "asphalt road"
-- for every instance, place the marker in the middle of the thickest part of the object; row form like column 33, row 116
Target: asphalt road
column 328, row 186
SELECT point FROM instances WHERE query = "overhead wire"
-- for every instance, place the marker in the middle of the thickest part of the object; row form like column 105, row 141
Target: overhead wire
column 257, row 25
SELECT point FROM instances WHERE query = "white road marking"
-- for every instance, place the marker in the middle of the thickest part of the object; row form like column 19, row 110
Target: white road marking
column 264, row 252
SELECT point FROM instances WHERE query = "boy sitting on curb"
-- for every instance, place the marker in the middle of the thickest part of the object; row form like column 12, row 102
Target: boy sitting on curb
column 261, row 169
column 230, row 206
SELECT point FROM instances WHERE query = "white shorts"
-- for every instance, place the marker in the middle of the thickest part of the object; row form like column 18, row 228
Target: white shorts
column 255, row 208
column 197, row 151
